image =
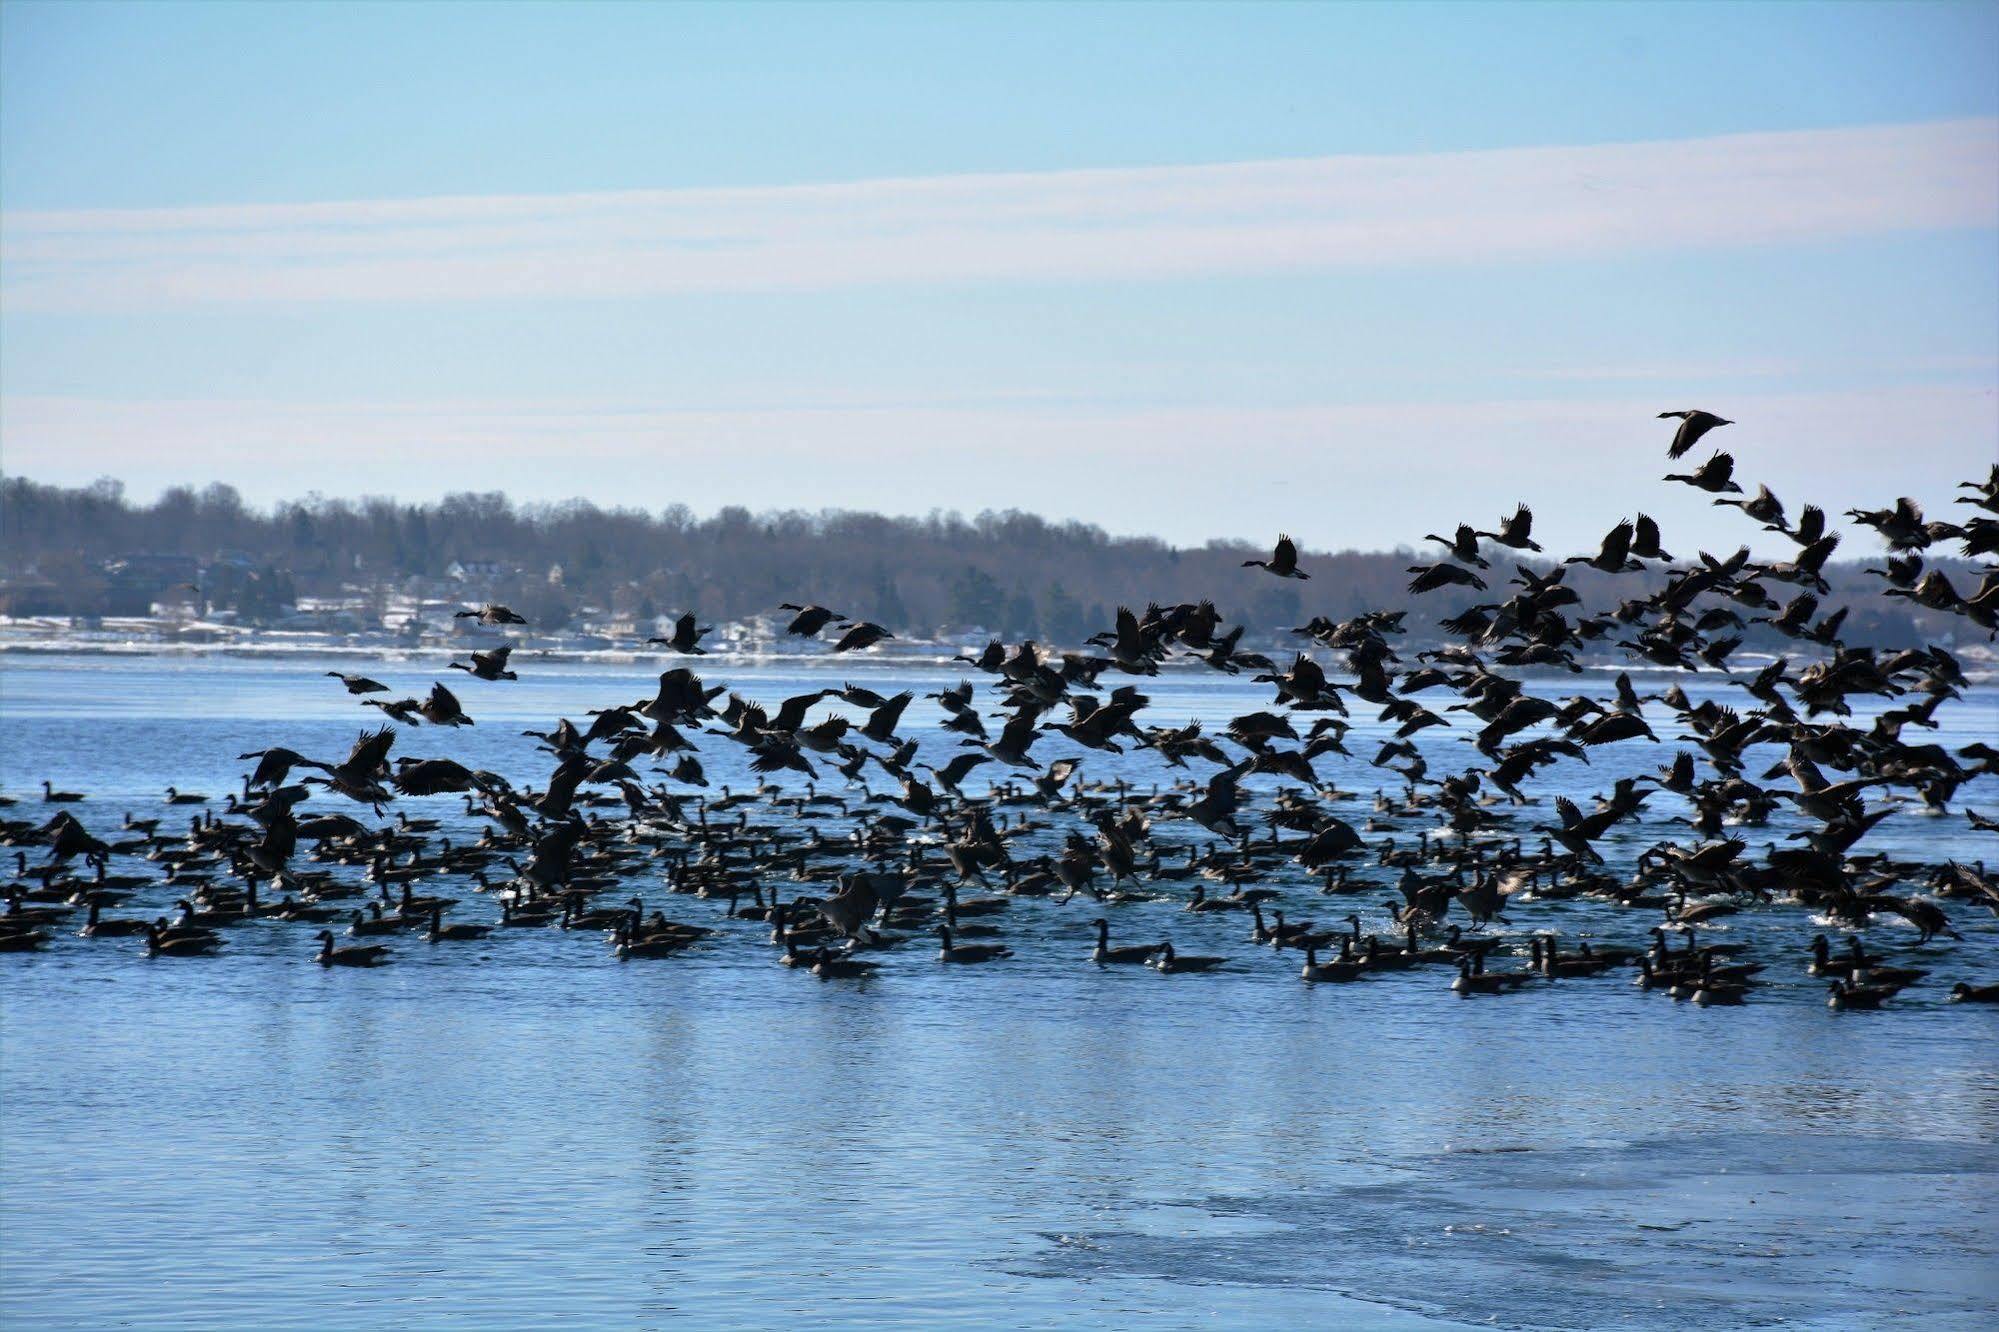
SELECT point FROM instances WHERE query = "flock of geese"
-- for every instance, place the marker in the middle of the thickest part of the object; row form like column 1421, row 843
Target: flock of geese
column 837, row 879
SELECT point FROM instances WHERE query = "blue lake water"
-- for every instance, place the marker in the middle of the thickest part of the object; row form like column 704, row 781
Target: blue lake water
column 527, row 1131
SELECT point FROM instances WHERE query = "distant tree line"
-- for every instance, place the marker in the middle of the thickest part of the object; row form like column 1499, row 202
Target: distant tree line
column 1014, row 574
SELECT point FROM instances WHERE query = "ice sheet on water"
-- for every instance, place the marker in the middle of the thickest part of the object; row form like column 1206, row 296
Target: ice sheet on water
column 1755, row 1230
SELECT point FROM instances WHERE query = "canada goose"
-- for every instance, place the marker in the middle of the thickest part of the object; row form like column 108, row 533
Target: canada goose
column 287, row 909
column 1463, row 546
column 806, row 936
column 1430, row 577
column 659, row 927
column 1897, row 977
column 686, row 637
column 51, row 796
column 358, row 775
column 358, row 684
column 411, row 906
column 827, row 965
column 861, row 636
column 408, row 711
column 363, row 925
column 211, row 916
column 1844, row 994
column 491, row 615
column 176, row 797
column 949, row 952
column 597, row 918
column 1515, row 531
column 1283, row 561
column 1544, row 958
column 489, row 665
column 1283, row 933
column 968, row 930
column 1201, row 902
column 101, row 927
column 440, row 708
column 363, row 955
column 1694, row 423
column 1855, row 958
column 1713, row 476
column 1447, row 954
column 1345, row 968
column 27, row 915
column 1963, row 993
column 1129, row 954
column 1712, row 995
column 1378, row 958
column 439, row 932
column 517, row 915
column 1169, row 962
column 1474, row 980
column 624, row 945
column 810, row 619
column 160, row 943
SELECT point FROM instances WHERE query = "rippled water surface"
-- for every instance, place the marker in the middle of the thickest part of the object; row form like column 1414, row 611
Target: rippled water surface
column 525, row 1130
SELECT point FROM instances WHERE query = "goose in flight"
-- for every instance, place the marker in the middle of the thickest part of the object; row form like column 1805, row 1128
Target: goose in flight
column 441, row 708
column 1693, row 424
column 408, row 711
column 990, row 658
column 494, row 614
column 1463, row 546
column 1765, row 508
column 1283, row 561
column 1430, row 577
column 686, row 636
column 422, row 777
column 1223, row 656
column 1614, row 555
column 863, row 635
column 1015, row 740
column 1902, row 527
column 1304, row 686
column 358, row 776
column 358, row 684
column 810, row 619
column 274, row 764
column 1714, row 476
column 1645, row 540
column 956, row 770
column 488, row 665
column 1807, row 569
column 882, row 721
column 1516, row 531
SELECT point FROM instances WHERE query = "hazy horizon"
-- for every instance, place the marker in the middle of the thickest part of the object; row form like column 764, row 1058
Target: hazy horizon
column 1860, row 543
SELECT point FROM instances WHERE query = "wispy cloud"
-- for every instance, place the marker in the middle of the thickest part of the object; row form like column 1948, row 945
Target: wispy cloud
column 1704, row 372
column 1116, row 224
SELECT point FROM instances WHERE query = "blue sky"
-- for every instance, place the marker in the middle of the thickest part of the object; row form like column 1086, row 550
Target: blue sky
column 1352, row 272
